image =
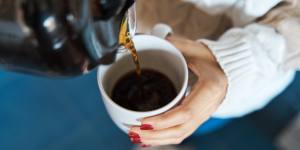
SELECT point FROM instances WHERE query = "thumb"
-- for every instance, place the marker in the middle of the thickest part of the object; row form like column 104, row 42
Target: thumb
column 181, row 44
column 193, row 50
column 189, row 48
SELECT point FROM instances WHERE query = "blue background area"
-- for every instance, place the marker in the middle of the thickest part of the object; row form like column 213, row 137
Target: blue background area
column 49, row 114
column 38, row 113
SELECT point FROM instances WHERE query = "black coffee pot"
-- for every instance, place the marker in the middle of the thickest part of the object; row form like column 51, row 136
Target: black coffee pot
column 60, row 38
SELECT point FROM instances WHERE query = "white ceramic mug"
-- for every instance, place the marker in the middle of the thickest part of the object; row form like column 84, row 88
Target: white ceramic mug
column 154, row 52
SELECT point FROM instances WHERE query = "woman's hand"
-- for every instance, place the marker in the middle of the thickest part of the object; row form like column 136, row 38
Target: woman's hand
column 173, row 126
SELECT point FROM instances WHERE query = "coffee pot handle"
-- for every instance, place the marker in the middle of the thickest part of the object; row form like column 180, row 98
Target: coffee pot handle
column 161, row 30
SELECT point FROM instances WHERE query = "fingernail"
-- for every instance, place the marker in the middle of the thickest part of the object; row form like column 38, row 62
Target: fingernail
column 133, row 135
column 144, row 145
column 146, row 127
column 136, row 140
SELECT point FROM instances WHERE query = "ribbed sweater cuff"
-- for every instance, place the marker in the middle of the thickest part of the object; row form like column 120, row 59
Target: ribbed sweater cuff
column 235, row 58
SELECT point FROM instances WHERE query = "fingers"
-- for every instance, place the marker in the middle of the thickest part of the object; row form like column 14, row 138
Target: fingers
column 182, row 45
column 173, row 135
column 171, row 125
column 201, row 98
column 169, row 128
column 176, row 116
column 162, row 142
column 169, row 133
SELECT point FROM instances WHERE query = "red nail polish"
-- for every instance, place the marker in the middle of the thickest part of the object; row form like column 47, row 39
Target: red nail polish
column 133, row 135
column 146, row 127
column 144, row 145
column 136, row 140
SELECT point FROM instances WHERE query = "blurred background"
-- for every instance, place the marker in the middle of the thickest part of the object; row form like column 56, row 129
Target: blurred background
column 47, row 114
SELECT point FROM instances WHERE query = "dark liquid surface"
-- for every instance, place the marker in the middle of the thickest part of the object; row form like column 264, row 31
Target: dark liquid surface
column 157, row 92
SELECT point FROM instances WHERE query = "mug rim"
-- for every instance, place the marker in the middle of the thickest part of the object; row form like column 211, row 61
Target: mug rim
column 178, row 97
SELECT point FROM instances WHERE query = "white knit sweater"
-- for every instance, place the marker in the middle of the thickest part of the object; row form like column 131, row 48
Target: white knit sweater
column 250, row 55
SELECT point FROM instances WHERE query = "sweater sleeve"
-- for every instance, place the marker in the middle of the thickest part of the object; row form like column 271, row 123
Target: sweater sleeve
column 285, row 18
column 242, row 12
column 251, row 58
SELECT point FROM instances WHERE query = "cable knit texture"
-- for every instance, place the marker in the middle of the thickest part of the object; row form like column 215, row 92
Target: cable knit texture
column 250, row 58
column 285, row 18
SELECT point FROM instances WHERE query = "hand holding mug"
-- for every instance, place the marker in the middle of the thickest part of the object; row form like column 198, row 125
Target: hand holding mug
column 173, row 126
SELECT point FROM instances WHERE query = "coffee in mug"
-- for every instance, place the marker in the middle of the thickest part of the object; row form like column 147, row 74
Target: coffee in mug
column 156, row 91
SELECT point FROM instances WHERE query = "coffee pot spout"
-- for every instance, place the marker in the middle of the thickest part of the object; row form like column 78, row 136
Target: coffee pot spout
column 105, row 38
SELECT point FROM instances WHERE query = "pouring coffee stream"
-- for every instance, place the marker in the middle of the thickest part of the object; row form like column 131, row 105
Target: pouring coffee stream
column 126, row 41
